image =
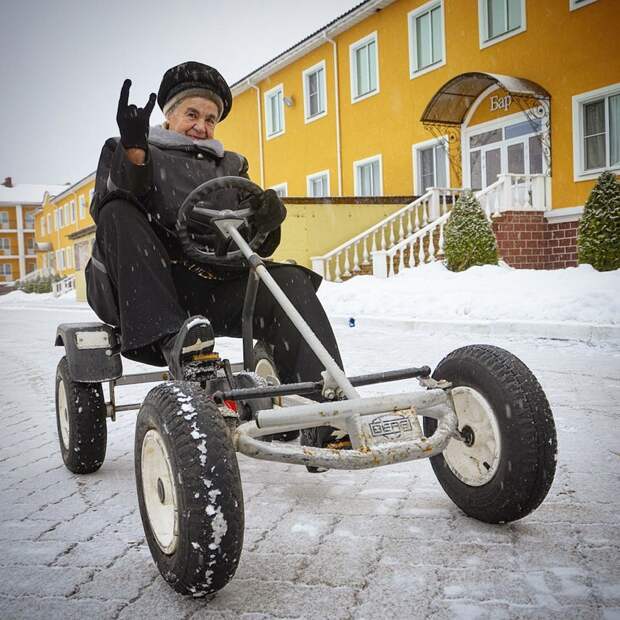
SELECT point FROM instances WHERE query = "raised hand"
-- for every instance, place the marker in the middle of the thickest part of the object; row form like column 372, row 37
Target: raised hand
column 133, row 122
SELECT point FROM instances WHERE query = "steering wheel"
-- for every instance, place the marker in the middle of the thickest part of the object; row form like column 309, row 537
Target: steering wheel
column 201, row 220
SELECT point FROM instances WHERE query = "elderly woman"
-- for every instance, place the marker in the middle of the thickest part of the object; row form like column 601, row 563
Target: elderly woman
column 138, row 278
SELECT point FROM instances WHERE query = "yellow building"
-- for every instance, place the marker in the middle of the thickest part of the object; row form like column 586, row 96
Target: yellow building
column 17, row 227
column 399, row 96
column 59, row 219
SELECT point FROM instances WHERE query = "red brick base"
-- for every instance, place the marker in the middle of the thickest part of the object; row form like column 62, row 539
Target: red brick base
column 529, row 241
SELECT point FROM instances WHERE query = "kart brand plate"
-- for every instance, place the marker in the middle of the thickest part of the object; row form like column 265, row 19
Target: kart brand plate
column 390, row 425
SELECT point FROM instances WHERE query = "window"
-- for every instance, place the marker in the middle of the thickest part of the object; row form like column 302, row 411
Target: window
column 69, row 257
column 29, row 220
column 500, row 19
column 364, row 68
column 318, row 184
column 281, row 190
column 426, row 38
column 274, row 111
column 42, row 226
column 4, row 219
column 90, row 195
column 59, row 218
column 60, row 259
column 82, row 207
column 30, row 245
column 66, row 214
column 5, row 245
column 6, row 270
column 577, row 4
column 430, row 162
column 596, row 132
column 49, row 223
column 315, row 102
column 368, row 177
column 72, row 210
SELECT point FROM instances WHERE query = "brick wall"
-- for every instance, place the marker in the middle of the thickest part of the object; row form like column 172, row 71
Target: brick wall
column 529, row 241
column 561, row 245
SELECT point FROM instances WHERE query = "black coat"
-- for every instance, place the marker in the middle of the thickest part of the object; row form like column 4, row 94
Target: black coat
column 175, row 166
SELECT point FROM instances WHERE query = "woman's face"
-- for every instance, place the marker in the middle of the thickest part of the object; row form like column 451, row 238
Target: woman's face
column 194, row 117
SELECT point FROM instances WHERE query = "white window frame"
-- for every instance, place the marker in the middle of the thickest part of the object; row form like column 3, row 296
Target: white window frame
column 82, row 203
column 312, row 177
column 91, row 192
column 483, row 22
column 60, row 259
column 67, row 214
column 280, row 187
column 6, row 272
column 42, row 226
column 268, row 95
column 5, row 243
column 4, row 218
column 50, row 221
column 421, row 146
column 353, row 66
column 362, row 162
column 411, row 17
column 27, row 216
column 69, row 257
column 579, row 171
column 499, row 123
column 73, row 211
column 573, row 5
column 322, row 85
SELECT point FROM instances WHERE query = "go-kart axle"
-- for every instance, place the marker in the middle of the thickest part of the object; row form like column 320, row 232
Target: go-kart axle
column 315, row 386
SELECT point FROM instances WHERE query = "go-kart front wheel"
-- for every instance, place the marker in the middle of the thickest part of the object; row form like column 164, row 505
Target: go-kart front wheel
column 189, row 488
column 504, row 465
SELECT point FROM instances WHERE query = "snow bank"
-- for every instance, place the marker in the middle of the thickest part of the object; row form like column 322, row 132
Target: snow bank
column 20, row 299
column 432, row 293
column 486, row 293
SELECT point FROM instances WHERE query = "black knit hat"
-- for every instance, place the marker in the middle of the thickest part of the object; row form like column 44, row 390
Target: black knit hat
column 190, row 75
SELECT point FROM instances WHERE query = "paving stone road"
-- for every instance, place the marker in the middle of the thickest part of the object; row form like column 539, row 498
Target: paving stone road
column 386, row 543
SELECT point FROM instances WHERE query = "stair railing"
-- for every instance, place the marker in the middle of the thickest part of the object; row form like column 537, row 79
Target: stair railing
column 349, row 257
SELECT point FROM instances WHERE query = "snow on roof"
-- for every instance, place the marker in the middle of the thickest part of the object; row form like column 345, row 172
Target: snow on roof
column 346, row 20
column 28, row 194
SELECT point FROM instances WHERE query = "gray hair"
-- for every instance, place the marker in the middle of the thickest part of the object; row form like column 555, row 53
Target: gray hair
column 205, row 93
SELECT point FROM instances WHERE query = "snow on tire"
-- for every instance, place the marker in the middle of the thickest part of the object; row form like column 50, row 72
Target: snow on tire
column 189, row 488
column 81, row 422
column 504, row 467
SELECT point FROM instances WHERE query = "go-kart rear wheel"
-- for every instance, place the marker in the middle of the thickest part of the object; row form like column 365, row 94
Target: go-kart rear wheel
column 504, row 467
column 81, row 422
column 189, row 488
column 265, row 367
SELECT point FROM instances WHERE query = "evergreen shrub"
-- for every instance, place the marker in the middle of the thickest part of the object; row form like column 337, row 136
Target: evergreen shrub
column 598, row 241
column 469, row 238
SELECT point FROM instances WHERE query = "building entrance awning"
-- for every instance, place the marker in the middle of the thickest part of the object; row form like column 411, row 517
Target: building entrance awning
column 452, row 101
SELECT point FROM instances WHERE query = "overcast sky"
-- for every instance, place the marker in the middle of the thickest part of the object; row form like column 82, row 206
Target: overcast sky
column 63, row 63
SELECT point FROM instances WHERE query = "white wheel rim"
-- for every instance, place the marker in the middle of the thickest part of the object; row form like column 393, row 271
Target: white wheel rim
column 474, row 463
column 159, row 491
column 63, row 415
column 265, row 369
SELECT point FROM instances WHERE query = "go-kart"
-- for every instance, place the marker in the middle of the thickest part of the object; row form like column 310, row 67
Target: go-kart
column 481, row 417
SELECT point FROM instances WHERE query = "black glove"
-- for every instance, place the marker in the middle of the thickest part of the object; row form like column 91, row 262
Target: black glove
column 132, row 121
column 270, row 212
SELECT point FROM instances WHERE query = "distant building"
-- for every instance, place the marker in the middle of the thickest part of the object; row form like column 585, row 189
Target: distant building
column 65, row 230
column 18, row 204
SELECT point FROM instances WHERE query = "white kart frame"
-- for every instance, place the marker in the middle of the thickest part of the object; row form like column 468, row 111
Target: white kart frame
column 382, row 430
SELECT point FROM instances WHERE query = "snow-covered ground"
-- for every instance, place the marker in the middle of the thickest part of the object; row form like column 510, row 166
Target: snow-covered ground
column 382, row 543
